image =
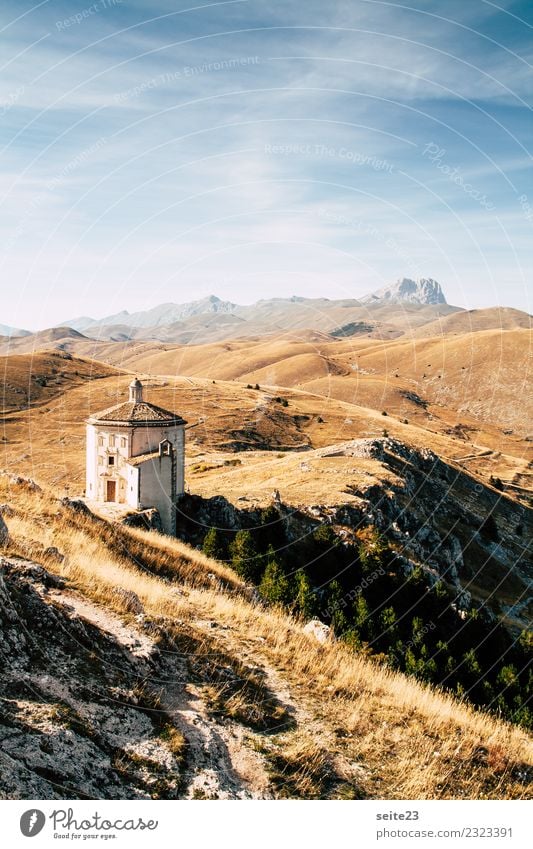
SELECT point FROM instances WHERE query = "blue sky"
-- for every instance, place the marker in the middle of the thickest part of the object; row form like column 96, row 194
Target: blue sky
column 155, row 152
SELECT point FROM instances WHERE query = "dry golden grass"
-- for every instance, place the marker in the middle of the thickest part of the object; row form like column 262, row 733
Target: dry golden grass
column 303, row 769
column 409, row 740
column 457, row 367
column 48, row 444
column 30, row 379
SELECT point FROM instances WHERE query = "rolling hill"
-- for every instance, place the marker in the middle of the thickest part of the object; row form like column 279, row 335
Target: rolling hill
column 474, row 375
column 471, row 321
column 31, row 379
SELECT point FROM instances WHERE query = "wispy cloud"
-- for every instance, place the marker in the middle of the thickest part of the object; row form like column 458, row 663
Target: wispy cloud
column 246, row 148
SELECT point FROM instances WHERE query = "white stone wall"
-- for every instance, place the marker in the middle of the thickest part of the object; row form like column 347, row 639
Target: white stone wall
column 91, row 488
column 180, row 461
column 144, row 440
column 104, row 442
column 132, row 487
column 156, row 489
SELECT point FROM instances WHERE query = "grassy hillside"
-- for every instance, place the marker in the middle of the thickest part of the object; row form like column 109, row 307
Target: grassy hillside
column 30, row 379
column 472, row 374
column 493, row 318
column 236, row 418
column 281, row 714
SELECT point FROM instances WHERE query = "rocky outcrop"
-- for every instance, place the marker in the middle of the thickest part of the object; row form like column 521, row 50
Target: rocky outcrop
column 130, row 601
column 319, row 630
column 436, row 515
column 149, row 520
column 97, row 704
column 77, row 718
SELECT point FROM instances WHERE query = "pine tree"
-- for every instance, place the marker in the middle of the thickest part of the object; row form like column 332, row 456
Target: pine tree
column 410, row 662
column 274, row 586
column 362, row 616
column 214, row 545
column 372, row 548
column 396, row 654
column 507, row 678
column 387, row 621
column 244, row 557
column 271, row 529
column 335, row 599
column 417, row 629
column 326, row 537
column 304, row 596
column 471, row 670
column 525, row 640
column 440, row 591
column 426, row 668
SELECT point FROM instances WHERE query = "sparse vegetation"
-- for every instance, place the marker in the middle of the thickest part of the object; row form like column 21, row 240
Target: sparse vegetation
column 423, row 633
column 265, row 673
column 371, row 708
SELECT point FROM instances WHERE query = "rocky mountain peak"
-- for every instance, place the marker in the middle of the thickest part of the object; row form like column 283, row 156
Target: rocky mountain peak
column 422, row 291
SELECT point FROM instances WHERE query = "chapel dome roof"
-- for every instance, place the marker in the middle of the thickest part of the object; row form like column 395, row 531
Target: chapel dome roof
column 137, row 412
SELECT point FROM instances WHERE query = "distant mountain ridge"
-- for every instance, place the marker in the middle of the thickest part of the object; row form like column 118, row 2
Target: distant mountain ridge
column 5, row 330
column 413, row 308
column 161, row 315
column 424, row 292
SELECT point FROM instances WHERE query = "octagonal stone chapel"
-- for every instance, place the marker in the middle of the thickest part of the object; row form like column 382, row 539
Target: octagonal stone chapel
column 135, row 456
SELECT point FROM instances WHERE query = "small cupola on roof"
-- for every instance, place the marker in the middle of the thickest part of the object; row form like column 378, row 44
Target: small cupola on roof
column 136, row 391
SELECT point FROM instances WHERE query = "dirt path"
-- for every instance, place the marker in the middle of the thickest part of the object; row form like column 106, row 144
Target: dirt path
column 133, row 639
column 308, row 716
column 220, row 764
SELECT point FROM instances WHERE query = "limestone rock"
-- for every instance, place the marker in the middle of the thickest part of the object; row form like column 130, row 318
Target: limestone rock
column 147, row 519
column 318, row 630
column 76, row 504
column 54, row 553
column 129, row 599
column 72, row 718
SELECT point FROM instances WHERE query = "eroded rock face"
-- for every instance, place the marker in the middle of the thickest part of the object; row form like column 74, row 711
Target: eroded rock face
column 422, row 291
column 74, row 714
column 94, row 704
column 461, row 531
column 437, row 515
